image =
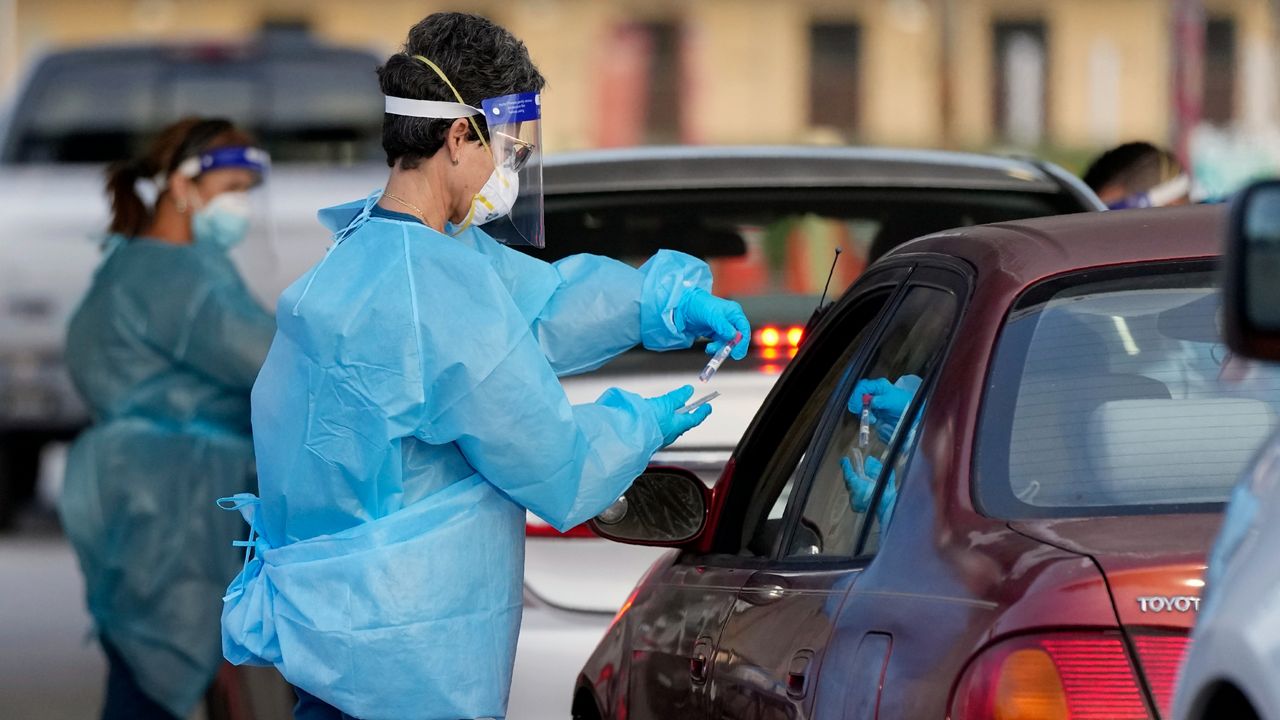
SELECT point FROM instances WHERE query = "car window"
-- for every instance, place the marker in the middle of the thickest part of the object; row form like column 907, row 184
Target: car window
column 849, row 485
column 1116, row 395
column 764, row 521
column 770, row 249
column 317, row 106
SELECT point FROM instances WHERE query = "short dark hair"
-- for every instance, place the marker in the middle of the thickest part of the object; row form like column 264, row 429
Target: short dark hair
column 1135, row 166
column 481, row 58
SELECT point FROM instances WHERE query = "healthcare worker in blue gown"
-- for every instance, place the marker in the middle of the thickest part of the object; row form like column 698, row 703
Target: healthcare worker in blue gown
column 409, row 410
column 164, row 349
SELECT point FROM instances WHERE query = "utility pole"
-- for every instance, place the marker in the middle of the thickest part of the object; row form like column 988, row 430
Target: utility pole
column 946, row 88
column 1187, row 49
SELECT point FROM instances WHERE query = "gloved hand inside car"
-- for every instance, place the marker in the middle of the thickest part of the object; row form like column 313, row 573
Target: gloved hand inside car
column 673, row 424
column 702, row 314
column 862, row 486
column 889, row 401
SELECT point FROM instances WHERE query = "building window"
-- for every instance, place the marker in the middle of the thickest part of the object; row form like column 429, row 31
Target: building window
column 662, row 119
column 641, row 86
column 834, row 49
column 1219, row 101
column 1021, row 81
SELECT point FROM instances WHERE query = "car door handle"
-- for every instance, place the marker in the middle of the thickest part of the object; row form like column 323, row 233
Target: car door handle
column 798, row 674
column 698, row 667
column 700, row 661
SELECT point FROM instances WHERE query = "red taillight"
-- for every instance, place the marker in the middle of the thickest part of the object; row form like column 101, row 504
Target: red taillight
column 774, row 338
column 1160, row 657
column 534, row 527
column 769, row 337
column 1062, row 676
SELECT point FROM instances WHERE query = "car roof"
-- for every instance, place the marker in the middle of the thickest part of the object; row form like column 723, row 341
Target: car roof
column 730, row 167
column 1026, row 251
column 270, row 44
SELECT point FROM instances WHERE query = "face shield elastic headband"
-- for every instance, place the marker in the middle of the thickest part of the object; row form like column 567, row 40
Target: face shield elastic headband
column 520, row 151
column 242, row 157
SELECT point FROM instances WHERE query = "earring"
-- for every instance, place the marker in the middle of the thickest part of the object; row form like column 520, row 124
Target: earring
column 455, row 161
column 181, row 205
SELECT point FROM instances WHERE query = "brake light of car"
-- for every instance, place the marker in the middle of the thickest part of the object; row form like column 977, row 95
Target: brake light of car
column 535, row 528
column 768, row 337
column 772, row 337
column 1058, row 676
column 1160, row 657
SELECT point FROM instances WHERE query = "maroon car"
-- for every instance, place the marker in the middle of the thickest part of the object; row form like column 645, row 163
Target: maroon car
column 1033, row 542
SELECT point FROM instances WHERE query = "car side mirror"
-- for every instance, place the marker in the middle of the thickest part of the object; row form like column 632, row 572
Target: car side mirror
column 1251, row 286
column 664, row 507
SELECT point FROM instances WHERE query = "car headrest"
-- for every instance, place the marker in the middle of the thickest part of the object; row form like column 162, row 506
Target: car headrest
column 1152, row 450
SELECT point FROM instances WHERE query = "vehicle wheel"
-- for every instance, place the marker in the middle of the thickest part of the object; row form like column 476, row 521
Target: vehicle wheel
column 1229, row 702
column 584, row 706
column 19, row 470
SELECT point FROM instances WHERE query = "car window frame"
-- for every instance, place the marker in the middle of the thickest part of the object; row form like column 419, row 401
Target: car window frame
column 927, row 274
column 770, row 422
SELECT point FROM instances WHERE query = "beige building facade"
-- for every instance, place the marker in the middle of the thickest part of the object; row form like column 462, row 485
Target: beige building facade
column 933, row 73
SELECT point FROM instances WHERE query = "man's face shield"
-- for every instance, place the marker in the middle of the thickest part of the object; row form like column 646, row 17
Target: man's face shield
column 515, row 139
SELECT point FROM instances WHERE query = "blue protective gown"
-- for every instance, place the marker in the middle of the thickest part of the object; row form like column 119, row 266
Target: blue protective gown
column 408, row 413
column 164, row 349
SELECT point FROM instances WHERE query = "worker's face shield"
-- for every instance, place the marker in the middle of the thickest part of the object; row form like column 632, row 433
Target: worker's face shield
column 231, row 207
column 510, row 203
column 225, row 184
column 514, row 123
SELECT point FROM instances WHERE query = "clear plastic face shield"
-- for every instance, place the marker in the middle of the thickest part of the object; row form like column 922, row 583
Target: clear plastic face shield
column 510, row 203
column 239, row 222
column 515, row 138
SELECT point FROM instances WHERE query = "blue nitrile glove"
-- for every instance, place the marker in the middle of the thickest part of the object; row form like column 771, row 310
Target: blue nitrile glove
column 702, row 314
column 671, row 424
column 888, row 401
column 861, row 487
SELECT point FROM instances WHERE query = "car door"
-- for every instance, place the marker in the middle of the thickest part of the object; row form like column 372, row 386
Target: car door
column 776, row 633
column 674, row 622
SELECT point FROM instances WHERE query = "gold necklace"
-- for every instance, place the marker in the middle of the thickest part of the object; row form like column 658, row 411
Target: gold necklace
column 421, row 215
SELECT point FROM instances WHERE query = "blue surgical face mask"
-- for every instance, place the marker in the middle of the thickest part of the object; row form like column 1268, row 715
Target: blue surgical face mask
column 223, row 222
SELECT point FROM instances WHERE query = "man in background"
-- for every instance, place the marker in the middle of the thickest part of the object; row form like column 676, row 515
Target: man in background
column 1138, row 175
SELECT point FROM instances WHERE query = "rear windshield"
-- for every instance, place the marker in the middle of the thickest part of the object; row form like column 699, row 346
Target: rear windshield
column 1113, row 394
column 772, row 249
column 311, row 105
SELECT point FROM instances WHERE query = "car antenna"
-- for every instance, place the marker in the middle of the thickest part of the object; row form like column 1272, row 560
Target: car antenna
column 830, row 274
column 819, row 311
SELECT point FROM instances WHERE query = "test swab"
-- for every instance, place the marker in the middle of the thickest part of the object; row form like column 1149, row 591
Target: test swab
column 718, row 359
column 699, row 402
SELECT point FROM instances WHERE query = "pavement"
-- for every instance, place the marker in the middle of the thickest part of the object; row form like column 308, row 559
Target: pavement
column 50, row 667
